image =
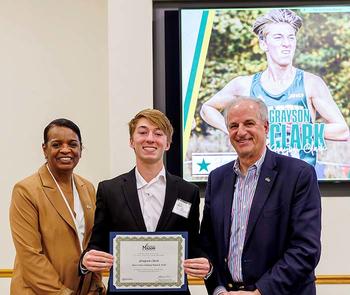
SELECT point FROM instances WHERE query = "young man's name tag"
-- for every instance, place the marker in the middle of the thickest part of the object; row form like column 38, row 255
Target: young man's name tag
column 182, row 208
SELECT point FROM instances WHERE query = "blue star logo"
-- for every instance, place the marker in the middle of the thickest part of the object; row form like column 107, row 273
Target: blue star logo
column 203, row 165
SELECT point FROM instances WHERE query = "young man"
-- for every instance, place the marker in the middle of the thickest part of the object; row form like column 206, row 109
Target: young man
column 262, row 216
column 144, row 199
column 286, row 90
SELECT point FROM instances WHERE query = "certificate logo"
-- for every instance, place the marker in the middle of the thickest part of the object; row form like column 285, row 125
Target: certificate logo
column 148, row 247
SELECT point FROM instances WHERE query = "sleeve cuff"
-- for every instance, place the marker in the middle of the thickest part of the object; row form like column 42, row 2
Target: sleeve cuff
column 218, row 290
column 209, row 273
column 83, row 269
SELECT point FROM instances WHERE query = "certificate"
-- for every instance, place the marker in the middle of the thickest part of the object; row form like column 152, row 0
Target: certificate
column 148, row 261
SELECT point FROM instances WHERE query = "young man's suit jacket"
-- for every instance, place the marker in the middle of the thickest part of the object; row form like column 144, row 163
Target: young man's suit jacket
column 282, row 242
column 118, row 209
column 46, row 241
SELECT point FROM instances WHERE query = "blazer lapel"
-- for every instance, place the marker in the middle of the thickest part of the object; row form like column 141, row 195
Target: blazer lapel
column 87, row 206
column 229, row 182
column 265, row 183
column 54, row 196
column 132, row 199
column 171, row 195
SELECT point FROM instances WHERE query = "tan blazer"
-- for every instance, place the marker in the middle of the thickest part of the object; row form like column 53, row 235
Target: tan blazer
column 46, row 241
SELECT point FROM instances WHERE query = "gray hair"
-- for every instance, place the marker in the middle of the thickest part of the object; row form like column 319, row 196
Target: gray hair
column 276, row 16
column 263, row 111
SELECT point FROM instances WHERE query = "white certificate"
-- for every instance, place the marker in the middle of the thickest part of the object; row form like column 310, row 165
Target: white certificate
column 148, row 261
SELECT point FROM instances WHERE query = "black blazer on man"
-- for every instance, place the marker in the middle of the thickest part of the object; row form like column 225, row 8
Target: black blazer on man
column 118, row 209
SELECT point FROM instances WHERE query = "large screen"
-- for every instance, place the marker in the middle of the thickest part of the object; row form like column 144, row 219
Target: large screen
column 300, row 67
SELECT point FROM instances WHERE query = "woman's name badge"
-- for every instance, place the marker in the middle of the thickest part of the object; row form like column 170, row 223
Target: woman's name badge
column 182, row 208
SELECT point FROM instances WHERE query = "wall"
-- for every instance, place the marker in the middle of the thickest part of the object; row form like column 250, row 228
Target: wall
column 53, row 64
column 130, row 73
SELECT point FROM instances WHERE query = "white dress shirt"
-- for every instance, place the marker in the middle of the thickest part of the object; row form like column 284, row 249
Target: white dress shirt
column 151, row 197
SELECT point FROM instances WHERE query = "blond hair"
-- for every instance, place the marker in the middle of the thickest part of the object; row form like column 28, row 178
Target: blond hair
column 157, row 118
column 276, row 16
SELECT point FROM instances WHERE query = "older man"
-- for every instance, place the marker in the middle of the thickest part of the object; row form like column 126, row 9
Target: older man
column 262, row 216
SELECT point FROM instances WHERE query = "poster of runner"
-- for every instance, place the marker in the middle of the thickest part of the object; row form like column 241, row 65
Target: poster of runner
column 296, row 59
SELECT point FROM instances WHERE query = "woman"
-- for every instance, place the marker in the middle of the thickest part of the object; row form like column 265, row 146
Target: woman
column 51, row 218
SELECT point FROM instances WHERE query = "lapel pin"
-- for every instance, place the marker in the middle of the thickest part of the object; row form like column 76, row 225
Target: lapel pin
column 88, row 206
column 268, row 179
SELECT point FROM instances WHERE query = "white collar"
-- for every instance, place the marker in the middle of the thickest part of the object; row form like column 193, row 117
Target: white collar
column 141, row 182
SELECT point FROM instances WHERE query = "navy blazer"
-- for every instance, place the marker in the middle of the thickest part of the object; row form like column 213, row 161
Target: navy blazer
column 282, row 243
column 118, row 209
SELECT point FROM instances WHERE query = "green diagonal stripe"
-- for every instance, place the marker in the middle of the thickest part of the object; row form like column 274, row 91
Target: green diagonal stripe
column 194, row 67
